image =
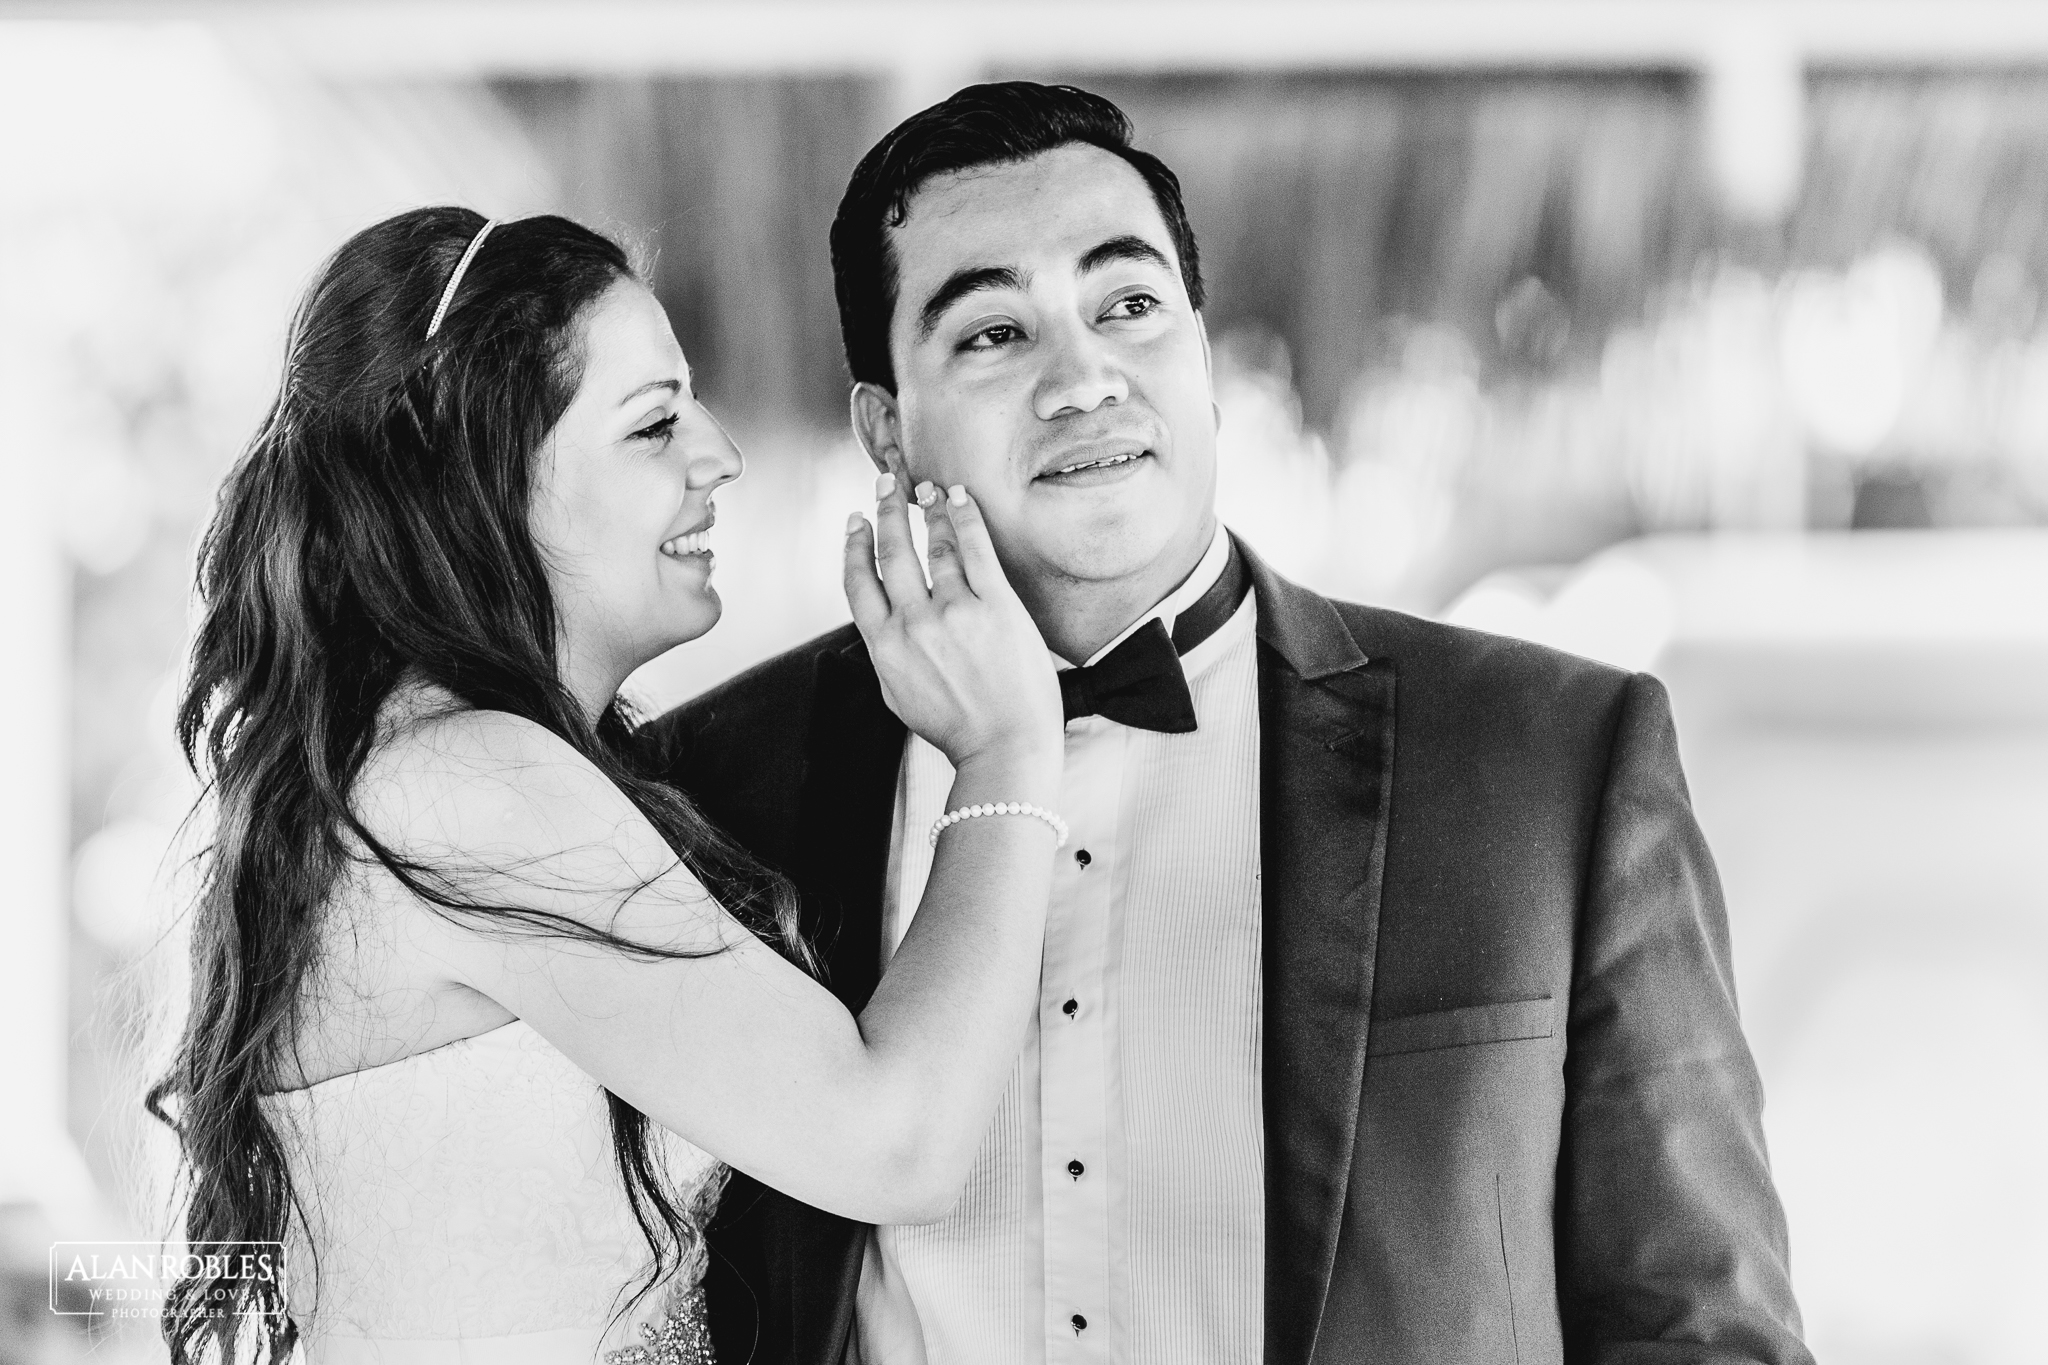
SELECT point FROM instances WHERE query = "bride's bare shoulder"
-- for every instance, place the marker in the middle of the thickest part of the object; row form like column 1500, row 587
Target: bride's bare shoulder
column 463, row 779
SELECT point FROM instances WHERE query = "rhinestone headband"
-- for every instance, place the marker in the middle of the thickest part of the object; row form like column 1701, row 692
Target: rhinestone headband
column 455, row 280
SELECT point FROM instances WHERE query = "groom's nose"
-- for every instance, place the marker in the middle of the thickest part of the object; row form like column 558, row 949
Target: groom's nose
column 1081, row 371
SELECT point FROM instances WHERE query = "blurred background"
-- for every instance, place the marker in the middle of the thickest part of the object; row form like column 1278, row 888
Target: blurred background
column 1703, row 338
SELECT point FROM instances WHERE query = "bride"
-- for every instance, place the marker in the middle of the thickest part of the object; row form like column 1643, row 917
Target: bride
column 479, row 1011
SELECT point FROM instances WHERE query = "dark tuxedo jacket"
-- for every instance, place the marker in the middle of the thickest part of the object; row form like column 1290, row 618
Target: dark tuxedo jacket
column 1509, row 1112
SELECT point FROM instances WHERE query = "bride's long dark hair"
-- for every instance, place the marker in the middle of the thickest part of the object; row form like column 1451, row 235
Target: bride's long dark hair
column 376, row 530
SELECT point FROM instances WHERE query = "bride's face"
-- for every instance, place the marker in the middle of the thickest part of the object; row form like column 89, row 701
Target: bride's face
column 622, row 498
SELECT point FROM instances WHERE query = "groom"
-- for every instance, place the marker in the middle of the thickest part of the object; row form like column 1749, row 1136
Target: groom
column 1386, row 1012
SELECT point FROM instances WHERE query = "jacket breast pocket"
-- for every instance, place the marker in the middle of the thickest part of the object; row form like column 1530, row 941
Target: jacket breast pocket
column 1465, row 1027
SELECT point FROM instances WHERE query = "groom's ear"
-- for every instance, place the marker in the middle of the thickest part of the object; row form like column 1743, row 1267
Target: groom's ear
column 1209, row 370
column 876, row 426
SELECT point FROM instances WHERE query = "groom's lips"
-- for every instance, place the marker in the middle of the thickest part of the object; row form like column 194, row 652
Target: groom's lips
column 1095, row 462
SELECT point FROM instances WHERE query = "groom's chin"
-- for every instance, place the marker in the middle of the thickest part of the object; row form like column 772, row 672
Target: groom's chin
column 1117, row 545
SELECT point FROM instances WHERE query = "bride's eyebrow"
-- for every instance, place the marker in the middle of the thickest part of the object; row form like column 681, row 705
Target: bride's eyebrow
column 673, row 386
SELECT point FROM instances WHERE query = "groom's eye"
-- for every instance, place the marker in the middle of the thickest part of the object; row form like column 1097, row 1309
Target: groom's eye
column 1132, row 306
column 990, row 337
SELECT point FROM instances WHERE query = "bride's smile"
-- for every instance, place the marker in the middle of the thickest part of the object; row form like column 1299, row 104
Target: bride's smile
column 622, row 507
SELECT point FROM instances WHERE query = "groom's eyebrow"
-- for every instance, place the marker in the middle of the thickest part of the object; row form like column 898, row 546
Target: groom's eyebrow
column 1125, row 248
column 958, row 286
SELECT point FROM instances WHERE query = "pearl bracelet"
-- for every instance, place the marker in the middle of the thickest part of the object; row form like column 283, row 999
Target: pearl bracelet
column 954, row 817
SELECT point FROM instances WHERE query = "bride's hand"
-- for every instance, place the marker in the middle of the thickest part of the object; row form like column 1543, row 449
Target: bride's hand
column 961, row 662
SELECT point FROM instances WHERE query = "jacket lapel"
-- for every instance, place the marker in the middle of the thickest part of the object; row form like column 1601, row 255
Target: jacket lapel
column 1326, row 736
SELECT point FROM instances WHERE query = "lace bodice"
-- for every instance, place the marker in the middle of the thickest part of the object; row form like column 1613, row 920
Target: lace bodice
column 469, row 1195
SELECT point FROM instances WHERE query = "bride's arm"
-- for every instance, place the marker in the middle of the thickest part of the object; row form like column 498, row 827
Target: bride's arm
column 876, row 1118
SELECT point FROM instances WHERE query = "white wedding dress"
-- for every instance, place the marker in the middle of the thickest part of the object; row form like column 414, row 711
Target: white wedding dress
column 464, row 1206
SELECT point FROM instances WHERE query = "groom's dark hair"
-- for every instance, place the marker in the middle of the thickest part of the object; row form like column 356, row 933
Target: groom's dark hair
column 982, row 125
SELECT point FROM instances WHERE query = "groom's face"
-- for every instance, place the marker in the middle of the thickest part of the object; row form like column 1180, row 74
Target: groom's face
column 1048, row 357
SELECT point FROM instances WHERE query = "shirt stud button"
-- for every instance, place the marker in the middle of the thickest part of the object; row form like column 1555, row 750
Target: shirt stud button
column 1075, row 1168
column 1081, row 857
column 1080, row 1324
column 1070, row 1008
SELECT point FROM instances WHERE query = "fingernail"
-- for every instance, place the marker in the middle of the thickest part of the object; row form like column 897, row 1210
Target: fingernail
column 957, row 495
column 926, row 494
column 854, row 521
column 884, row 486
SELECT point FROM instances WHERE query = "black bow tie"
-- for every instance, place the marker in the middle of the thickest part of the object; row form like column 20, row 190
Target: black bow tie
column 1140, row 683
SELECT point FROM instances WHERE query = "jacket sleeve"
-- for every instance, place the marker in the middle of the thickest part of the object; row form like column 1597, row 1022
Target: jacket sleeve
column 1671, row 1240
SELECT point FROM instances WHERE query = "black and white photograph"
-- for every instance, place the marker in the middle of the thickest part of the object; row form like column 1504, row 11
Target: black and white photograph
column 1023, row 682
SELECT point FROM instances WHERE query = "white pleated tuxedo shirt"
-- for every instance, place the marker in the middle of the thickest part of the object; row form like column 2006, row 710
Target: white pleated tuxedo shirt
column 1116, row 1211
